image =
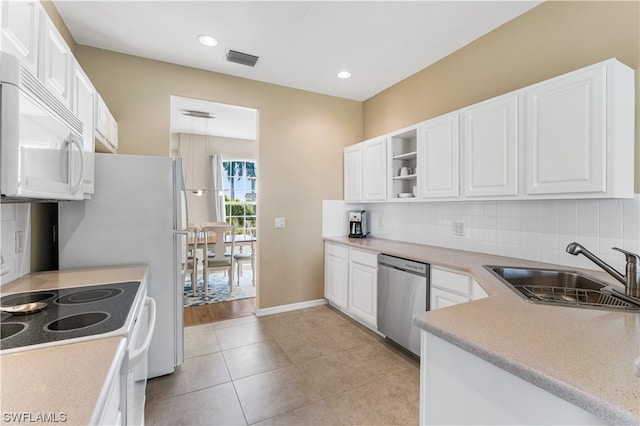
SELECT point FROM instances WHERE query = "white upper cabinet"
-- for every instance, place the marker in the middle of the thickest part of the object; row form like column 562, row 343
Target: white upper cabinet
column 365, row 166
column 490, row 147
column 56, row 62
column 403, row 159
column 106, row 128
column 438, row 163
column 374, row 165
column 82, row 105
column 20, row 22
column 567, row 137
column 579, row 134
column 353, row 173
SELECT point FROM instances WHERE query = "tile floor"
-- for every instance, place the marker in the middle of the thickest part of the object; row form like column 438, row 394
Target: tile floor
column 308, row 367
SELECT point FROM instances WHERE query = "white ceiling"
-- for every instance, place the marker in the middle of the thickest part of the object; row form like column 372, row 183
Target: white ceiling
column 301, row 44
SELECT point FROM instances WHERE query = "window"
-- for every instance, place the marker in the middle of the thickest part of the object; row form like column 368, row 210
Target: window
column 240, row 195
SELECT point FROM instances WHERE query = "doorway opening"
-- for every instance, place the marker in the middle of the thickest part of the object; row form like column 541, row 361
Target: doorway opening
column 218, row 146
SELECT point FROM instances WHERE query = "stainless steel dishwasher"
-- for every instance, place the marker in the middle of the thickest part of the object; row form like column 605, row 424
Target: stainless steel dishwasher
column 403, row 291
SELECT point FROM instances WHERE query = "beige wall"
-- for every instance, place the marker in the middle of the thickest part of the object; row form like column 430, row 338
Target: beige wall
column 551, row 39
column 300, row 141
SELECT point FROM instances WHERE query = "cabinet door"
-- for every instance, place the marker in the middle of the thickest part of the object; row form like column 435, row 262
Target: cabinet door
column 20, row 29
column 353, row 173
column 490, row 147
column 113, row 131
column 82, row 106
column 336, row 275
column 438, row 157
column 363, row 288
column 565, row 134
column 374, row 166
column 442, row 299
column 56, row 61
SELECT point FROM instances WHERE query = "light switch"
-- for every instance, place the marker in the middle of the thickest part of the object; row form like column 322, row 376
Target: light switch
column 279, row 222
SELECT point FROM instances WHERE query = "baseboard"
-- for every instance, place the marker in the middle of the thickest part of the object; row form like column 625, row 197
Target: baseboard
column 291, row 307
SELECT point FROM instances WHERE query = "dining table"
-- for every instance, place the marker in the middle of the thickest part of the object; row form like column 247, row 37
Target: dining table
column 196, row 243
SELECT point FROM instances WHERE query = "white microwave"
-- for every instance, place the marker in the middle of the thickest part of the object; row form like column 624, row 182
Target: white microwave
column 40, row 139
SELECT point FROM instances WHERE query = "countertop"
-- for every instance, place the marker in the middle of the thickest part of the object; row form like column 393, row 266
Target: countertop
column 61, row 384
column 75, row 278
column 66, row 379
column 584, row 356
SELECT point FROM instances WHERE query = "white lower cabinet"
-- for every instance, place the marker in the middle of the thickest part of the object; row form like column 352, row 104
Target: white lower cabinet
column 457, row 387
column 336, row 275
column 442, row 298
column 363, row 285
column 351, row 282
column 450, row 288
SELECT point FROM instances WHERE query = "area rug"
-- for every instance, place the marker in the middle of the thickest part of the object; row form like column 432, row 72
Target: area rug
column 218, row 289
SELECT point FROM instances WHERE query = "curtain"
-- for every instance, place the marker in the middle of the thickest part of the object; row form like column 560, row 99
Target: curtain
column 218, row 188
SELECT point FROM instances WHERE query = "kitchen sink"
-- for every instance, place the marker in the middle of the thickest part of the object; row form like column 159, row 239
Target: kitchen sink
column 561, row 287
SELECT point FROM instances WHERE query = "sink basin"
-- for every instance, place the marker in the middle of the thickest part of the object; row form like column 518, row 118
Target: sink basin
column 560, row 287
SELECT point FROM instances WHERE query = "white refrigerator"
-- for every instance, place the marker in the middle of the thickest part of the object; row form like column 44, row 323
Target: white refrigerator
column 138, row 215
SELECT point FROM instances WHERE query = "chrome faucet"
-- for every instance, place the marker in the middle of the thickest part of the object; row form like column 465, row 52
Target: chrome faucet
column 631, row 280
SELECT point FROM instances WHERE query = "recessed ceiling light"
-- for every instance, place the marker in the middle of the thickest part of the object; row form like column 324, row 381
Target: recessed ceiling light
column 344, row 74
column 207, row 40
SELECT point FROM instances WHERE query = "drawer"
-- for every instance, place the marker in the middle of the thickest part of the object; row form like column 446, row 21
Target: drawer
column 366, row 258
column 336, row 250
column 452, row 281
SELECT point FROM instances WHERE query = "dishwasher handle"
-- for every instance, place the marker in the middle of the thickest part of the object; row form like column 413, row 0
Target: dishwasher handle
column 406, row 265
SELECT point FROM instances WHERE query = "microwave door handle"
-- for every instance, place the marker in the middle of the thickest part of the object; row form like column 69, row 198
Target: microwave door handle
column 138, row 354
column 75, row 143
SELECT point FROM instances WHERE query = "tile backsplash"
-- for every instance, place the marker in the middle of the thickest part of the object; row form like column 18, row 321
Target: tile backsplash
column 532, row 230
column 15, row 240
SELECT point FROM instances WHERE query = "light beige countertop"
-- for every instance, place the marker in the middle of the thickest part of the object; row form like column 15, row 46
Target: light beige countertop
column 68, row 278
column 62, row 384
column 65, row 380
column 584, row 356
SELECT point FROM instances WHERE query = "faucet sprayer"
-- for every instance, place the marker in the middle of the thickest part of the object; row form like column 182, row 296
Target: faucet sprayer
column 631, row 279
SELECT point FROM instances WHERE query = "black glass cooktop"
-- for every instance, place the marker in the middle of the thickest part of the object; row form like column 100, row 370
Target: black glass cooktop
column 69, row 313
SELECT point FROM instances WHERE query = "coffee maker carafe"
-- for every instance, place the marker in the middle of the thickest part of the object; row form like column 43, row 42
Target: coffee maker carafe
column 358, row 224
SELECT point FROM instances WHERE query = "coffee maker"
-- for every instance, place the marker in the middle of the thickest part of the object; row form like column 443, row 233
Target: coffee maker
column 358, row 224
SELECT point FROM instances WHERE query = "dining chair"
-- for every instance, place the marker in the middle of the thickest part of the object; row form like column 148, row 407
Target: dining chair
column 241, row 258
column 217, row 258
column 191, row 261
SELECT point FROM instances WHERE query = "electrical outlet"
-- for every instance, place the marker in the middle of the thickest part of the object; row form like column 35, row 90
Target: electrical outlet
column 19, row 241
column 458, row 229
column 279, row 222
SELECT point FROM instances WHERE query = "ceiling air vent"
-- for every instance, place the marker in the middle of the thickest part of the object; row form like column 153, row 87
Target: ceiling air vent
column 242, row 58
